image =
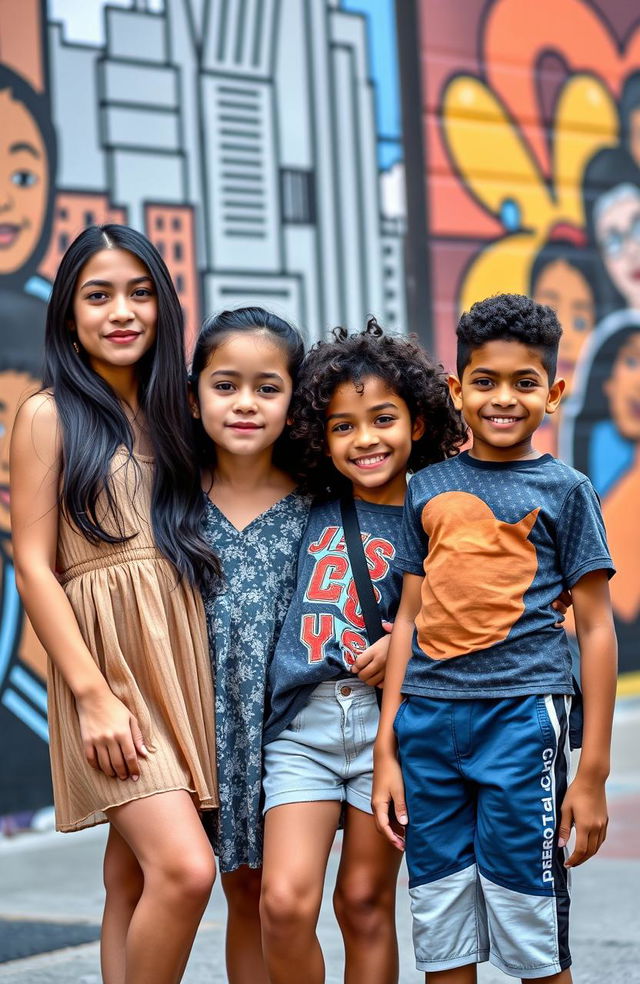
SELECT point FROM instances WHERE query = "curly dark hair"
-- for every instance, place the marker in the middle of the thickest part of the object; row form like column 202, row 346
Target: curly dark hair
column 512, row 318
column 406, row 369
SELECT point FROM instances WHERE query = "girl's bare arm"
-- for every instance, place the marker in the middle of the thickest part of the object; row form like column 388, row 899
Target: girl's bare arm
column 109, row 732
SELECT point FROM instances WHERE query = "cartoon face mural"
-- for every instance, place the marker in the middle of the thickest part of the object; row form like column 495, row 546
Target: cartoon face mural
column 532, row 148
column 27, row 170
column 24, row 177
column 617, row 228
column 561, row 278
column 601, row 436
column 165, row 119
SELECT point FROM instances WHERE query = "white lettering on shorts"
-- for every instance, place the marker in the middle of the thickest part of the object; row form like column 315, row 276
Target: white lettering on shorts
column 547, row 815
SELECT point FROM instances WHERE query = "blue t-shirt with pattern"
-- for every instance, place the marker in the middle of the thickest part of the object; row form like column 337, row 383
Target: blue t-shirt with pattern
column 496, row 543
column 324, row 629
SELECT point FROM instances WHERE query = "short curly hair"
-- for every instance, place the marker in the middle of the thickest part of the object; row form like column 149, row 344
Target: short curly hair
column 399, row 362
column 512, row 318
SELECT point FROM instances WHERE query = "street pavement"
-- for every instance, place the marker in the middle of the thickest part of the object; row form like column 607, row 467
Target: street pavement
column 57, row 878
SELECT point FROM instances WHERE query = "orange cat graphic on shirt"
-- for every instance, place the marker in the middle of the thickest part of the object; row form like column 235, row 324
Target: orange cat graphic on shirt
column 478, row 570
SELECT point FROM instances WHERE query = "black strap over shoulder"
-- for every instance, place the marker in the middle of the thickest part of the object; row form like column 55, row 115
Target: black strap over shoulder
column 360, row 569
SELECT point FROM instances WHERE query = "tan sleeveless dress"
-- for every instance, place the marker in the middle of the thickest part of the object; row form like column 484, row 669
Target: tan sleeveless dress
column 148, row 635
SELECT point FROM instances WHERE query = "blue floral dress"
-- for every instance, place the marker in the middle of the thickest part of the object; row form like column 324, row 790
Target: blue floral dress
column 243, row 621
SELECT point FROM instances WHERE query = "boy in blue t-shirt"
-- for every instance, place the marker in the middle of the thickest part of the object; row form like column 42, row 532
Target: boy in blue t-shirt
column 489, row 539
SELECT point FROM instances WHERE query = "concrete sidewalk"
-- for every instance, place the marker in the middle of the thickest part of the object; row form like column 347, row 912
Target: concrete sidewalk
column 56, row 877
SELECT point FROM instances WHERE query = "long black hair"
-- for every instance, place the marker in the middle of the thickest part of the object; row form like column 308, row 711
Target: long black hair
column 94, row 424
column 404, row 367
column 37, row 105
column 215, row 330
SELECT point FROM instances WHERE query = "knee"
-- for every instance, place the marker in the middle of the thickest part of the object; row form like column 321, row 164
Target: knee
column 242, row 892
column 363, row 908
column 189, row 880
column 283, row 909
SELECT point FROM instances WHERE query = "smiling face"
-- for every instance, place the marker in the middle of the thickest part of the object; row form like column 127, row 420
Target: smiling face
column 504, row 395
column 24, row 184
column 623, row 389
column 244, row 393
column 369, row 436
column 115, row 311
column 567, row 292
column 618, row 235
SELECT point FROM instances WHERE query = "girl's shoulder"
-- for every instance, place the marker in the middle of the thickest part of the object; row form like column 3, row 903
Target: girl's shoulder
column 37, row 420
column 40, row 405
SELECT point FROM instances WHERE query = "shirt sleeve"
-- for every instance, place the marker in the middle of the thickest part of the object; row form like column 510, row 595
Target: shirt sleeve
column 581, row 537
column 413, row 542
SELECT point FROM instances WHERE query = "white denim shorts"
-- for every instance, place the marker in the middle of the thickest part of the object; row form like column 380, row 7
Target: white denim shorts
column 326, row 753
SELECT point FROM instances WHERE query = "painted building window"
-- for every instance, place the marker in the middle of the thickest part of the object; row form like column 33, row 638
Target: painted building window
column 298, row 196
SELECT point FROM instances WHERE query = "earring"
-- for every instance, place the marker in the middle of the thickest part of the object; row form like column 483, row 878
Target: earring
column 76, row 347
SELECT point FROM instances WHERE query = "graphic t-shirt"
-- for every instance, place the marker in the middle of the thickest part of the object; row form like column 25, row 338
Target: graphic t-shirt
column 324, row 630
column 496, row 543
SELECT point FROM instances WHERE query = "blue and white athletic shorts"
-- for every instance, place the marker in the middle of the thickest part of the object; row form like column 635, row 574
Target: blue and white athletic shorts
column 484, row 782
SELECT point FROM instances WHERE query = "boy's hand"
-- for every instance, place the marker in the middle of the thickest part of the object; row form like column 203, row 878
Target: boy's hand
column 388, row 791
column 585, row 808
column 561, row 605
column 371, row 664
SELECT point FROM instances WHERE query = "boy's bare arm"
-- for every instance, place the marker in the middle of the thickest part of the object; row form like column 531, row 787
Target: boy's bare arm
column 388, row 787
column 585, row 805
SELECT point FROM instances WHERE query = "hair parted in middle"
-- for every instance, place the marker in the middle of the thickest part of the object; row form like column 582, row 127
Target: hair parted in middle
column 94, row 424
column 408, row 371
column 509, row 318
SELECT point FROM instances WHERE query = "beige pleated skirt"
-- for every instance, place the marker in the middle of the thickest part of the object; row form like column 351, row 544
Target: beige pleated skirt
column 147, row 633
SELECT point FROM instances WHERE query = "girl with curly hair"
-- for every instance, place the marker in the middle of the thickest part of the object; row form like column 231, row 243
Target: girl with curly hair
column 369, row 408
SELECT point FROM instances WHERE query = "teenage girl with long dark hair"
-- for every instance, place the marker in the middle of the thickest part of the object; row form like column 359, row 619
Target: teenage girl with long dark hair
column 106, row 514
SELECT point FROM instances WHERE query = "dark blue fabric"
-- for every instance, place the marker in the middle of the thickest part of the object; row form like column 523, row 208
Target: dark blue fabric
column 484, row 782
column 324, row 630
column 569, row 540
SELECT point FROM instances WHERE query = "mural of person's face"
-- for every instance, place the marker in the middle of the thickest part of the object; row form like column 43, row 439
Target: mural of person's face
column 567, row 291
column 623, row 389
column 24, row 184
column 14, row 387
column 618, row 235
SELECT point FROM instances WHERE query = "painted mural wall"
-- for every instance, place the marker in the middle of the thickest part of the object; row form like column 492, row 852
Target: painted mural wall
column 531, row 127
column 258, row 145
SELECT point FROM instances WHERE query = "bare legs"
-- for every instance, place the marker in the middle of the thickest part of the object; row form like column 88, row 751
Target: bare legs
column 154, row 932
column 298, row 838
column 297, row 841
column 467, row 975
column 245, row 963
column 459, row 975
column 365, row 901
column 123, row 884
